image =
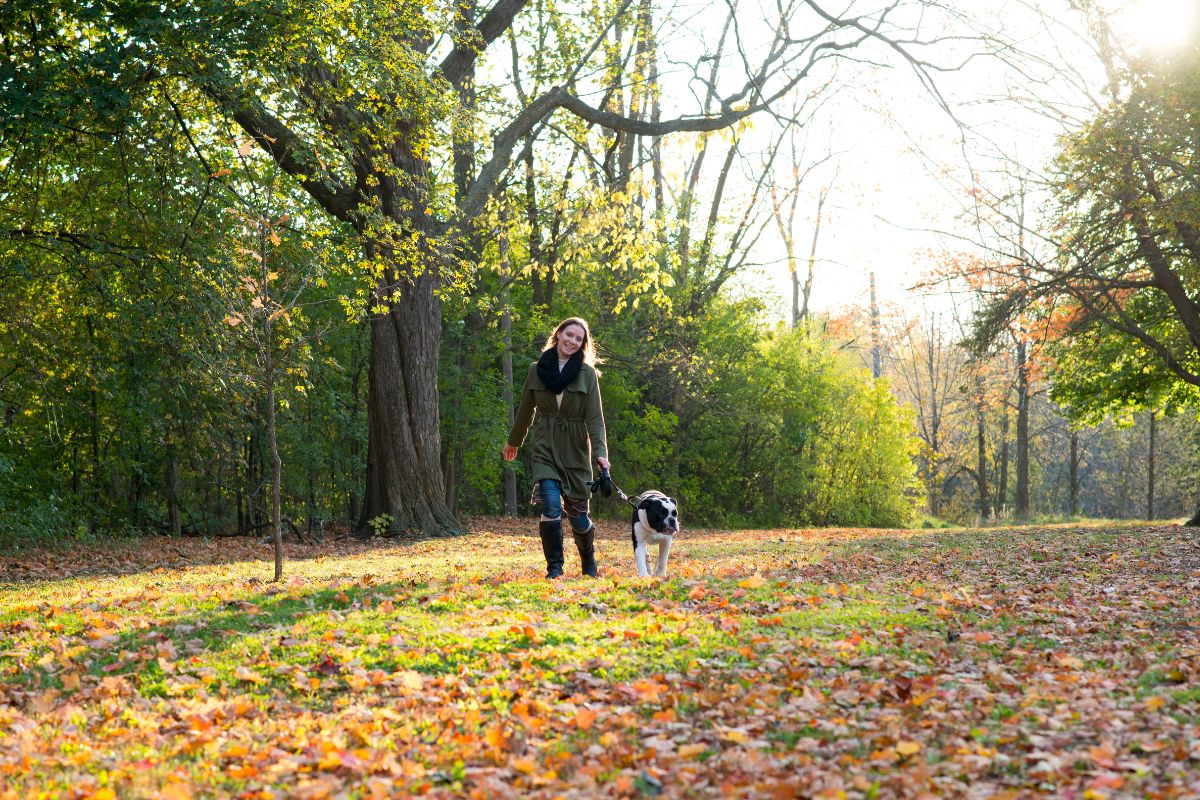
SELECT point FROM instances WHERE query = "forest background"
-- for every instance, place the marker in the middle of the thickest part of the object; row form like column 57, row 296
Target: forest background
column 277, row 264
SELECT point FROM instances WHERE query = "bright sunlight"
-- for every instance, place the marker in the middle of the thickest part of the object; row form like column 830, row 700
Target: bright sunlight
column 1159, row 24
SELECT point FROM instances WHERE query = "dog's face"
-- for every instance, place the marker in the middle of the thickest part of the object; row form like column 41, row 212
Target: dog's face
column 661, row 513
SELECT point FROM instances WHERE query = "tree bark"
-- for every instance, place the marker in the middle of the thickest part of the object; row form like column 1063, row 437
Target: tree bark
column 173, row 495
column 801, row 313
column 543, row 273
column 506, row 360
column 1194, row 522
column 877, row 355
column 1002, row 486
column 1150, row 471
column 276, row 462
column 1022, row 500
column 268, row 364
column 985, row 502
column 405, row 488
column 1073, row 468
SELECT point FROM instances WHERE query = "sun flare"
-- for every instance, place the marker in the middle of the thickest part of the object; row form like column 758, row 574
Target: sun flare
column 1159, row 24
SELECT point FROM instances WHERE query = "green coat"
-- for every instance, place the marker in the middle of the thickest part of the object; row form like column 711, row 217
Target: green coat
column 567, row 439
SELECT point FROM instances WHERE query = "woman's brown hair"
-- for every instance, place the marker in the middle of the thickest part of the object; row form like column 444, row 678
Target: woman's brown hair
column 589, row 347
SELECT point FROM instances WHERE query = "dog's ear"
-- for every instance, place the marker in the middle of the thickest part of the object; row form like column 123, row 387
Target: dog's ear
column 673, row 500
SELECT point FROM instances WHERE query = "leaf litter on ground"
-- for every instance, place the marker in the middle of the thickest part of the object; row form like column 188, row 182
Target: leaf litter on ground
column 1006, row 662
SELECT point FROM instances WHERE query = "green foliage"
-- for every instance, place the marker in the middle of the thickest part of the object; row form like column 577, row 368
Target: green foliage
column 120, row 361
column 1126, row 189
column 473, row 415
column 1099, row 372
column 796, row 434
column 124, row 292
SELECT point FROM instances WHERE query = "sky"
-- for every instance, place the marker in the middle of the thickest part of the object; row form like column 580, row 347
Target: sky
column 902, row 162
column 903, row 166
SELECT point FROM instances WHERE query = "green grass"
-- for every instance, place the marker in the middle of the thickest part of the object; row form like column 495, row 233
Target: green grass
column 451, row 667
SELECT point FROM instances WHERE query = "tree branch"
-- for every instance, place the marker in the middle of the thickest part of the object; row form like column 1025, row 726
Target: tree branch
column 280, row 142
column 499, row 19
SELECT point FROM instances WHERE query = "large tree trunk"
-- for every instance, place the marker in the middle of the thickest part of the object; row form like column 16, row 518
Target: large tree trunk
column 405, row 489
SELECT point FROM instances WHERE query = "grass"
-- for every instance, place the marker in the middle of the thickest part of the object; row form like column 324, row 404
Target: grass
column 784, row 662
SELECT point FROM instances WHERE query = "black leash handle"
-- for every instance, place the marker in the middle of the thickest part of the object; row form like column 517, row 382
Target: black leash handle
column 604, row 485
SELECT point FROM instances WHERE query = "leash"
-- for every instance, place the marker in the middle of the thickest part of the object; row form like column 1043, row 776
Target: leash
column 598, row 485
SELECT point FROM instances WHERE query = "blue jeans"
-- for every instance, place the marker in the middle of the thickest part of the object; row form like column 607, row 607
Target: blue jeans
column 552, row 507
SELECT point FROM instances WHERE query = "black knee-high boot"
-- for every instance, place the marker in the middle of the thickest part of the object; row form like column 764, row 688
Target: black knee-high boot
column 586, row 542
column 551, row 532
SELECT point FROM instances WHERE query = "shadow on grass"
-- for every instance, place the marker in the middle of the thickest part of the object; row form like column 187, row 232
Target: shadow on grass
column 327, row 632
column 123, row 557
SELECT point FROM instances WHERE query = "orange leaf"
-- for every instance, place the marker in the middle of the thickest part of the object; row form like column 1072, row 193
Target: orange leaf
column 409, row 679
column 585, row 717
column 886, row 754
column 1103, row 755
column 244, row 673
column 1106, row 780
column 736, row 735
column 496, row 738
column 908, row 748
column 647, row 691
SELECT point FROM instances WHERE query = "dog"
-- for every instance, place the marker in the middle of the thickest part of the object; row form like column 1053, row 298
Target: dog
column 655, row 521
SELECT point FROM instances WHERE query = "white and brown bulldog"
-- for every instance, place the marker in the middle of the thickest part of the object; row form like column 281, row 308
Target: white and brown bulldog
column 655, row 521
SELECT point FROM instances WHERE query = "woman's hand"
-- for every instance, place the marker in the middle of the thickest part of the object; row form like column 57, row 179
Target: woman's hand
column 510, row 452
column 603, row 462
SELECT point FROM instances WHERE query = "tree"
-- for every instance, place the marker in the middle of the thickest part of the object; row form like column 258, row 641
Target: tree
column 929, row 371
column 1119, row 283
column 351, row 103
column 783, row 208
column 263, row 298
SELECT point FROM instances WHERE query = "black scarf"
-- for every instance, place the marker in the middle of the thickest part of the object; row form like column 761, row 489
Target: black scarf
column 547, row 369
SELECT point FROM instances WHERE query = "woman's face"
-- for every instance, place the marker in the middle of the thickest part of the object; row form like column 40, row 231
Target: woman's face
column 570, row 339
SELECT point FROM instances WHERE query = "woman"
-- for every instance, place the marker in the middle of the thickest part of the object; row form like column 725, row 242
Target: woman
column 562, row 391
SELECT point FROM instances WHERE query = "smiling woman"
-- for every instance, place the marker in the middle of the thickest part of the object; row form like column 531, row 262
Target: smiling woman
column 1159, row 24
column 562, row 393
